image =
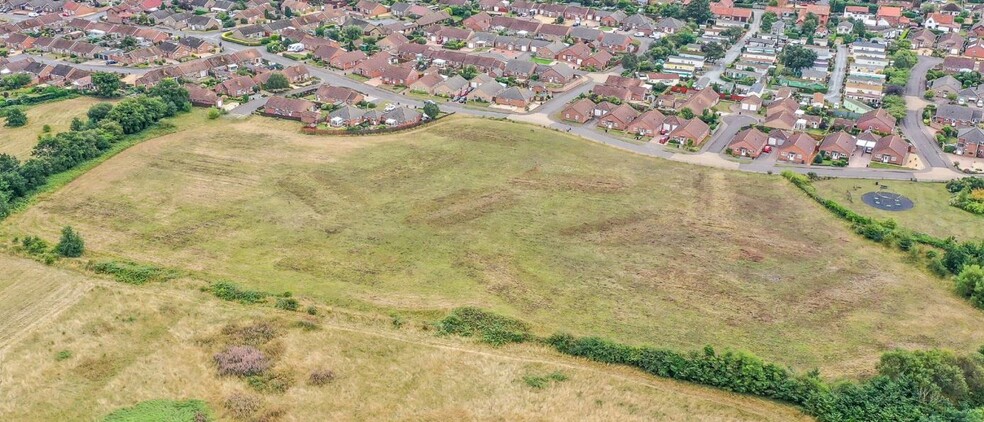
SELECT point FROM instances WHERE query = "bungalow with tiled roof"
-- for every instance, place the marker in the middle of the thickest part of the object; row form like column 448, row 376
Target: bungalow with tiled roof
column 748, row 143
column 877, row 120
column 838, row 145
column 619, row 118
column 798, row 148
column 647, row 124
column 891, row 149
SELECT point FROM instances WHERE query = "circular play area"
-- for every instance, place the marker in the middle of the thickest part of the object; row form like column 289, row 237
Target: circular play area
column 887, row 201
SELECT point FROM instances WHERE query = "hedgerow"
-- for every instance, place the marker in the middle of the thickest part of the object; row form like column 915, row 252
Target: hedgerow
column 131, row 272
column 909, row 386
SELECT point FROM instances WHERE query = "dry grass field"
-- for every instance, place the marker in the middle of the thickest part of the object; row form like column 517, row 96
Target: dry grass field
column 567, row 235
column 122, row 345
column 931, row 213
column 59, row 114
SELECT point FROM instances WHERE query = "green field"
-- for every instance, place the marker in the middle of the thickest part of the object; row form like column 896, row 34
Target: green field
column 565, row 234
column 931, row 213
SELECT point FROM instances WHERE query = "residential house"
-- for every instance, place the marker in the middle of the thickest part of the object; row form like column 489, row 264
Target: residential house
column 515, row 97
column 690, row 132
column 877, row 120
column 327, row 94
column 236, row 86
column 891, row 149
column 347, row 60
column 941, row 22
column 451, row 87
column 619, row 118
column 292, row 108
column 579, row 111
column 838, row 145
column 748, row 143
column 970, row 142
column 957, row 116
column 798, row 148
column 647, row 124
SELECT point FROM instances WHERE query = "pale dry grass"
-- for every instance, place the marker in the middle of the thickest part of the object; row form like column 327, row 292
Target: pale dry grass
column 530, row 223
column 31, row 294
column 20, row 141
column 131, row 344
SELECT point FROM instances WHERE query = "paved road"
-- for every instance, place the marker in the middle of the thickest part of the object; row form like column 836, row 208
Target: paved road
column 912, row 124
column 714, row 75
column 836, row 83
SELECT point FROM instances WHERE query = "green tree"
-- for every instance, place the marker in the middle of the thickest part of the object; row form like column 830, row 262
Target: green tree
column 768, row 19
column 173, row 95
column 810, row 23
column 687, row 113
column 904, row 59
column 630, row 61
column 71, row 244
column 713, row 51
column 970, row 283
column 16, row 118
column 106, row 84
column 698, row 11
column 99, row 111
column 796, row 57
column 895, row 105
column 17, row 80
column 77, row 125
column 277, row 81
column 431, row 109
column 351, row 32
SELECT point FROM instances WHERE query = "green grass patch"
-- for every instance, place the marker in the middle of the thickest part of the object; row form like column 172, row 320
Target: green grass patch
column 163, row 411
column 131, row 272
column 540, row 382
column 541, row 60
column 878, row 165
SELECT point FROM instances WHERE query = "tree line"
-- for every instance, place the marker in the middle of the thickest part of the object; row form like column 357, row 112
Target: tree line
column 933, row 385
column 105, row 125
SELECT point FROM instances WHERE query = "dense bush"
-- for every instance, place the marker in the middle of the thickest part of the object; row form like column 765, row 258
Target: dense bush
column 967, row 194
column 241, row 361
column 287, row 303
column 490, row 328
column 132, row 273
column 231, row 292
column 71, row 244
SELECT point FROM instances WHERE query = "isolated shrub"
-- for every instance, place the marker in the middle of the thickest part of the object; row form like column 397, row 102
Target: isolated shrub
column 34, row 245
column 242, row 405
column 71, row 244
column 542, row 381
column 214, row 113
column 287, row 304
column 63, row 355
column 271, row 382
column 229, row 291
column 16, row 118
column 321, row 377
column 311, row 310
column 242, row 361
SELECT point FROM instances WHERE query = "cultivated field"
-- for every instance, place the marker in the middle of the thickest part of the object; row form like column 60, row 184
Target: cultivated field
column 931, row 214
column 121, row 345
column 59, row 114
column 567, row 235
